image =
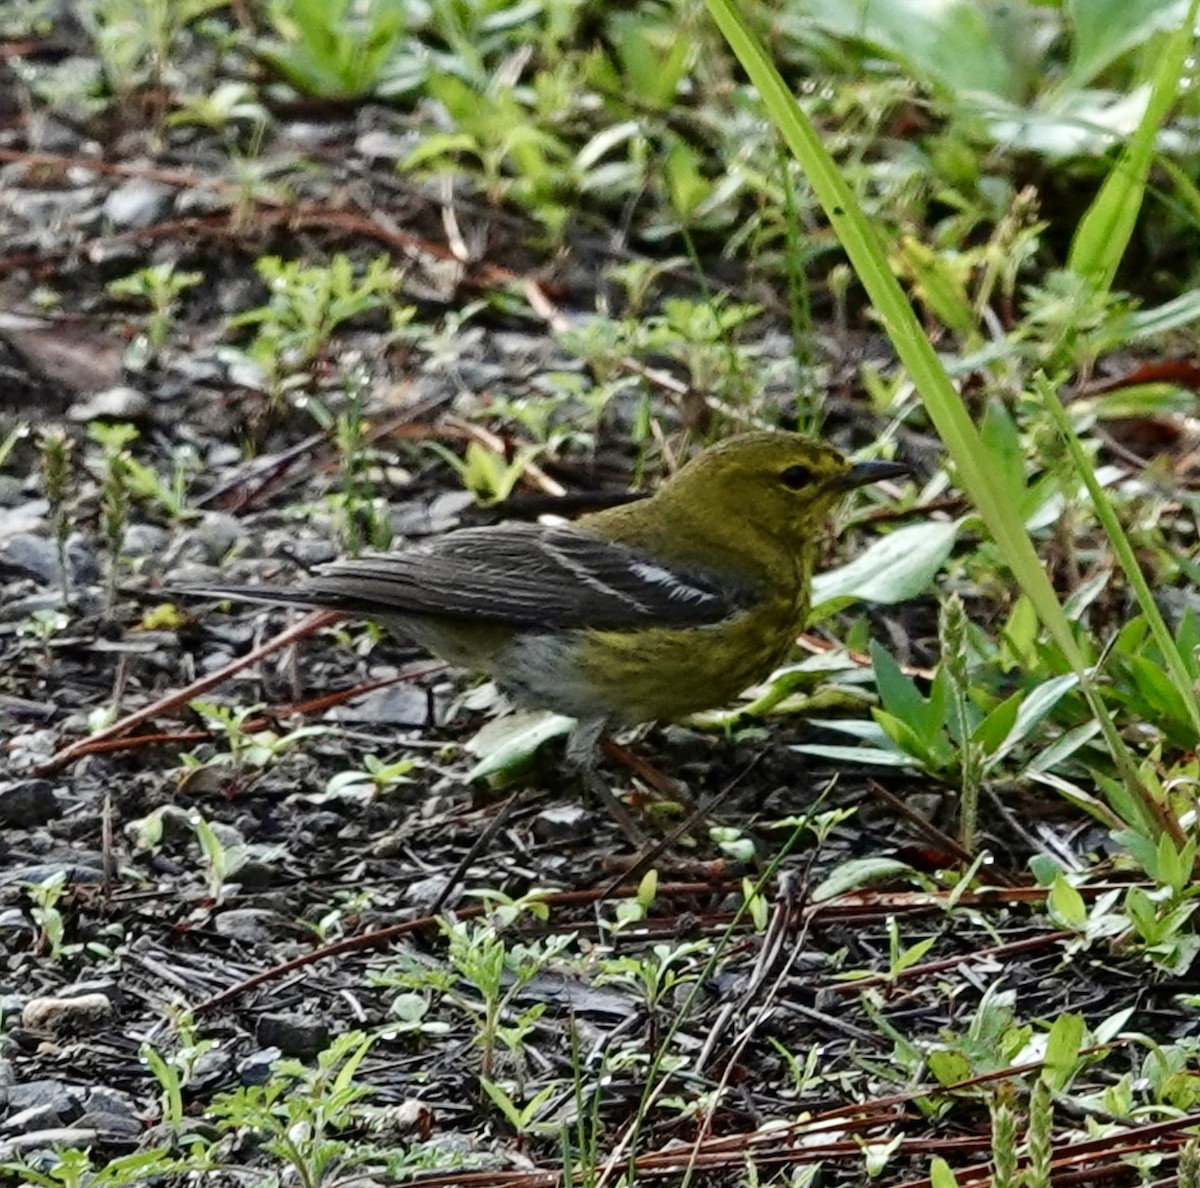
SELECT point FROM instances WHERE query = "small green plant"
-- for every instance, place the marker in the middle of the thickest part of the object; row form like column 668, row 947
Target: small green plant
column 372, row 780
column 137, row 40
column 306, row 306
column 116, row 468
column 349, row 907
column 631, row 912
column 45, row 897
column 519, row 160
column 1189, row 1165
column 992, row 1041
column 43, row 625
column 124, row 478
column 175, row 1071
column 334, row 49
column 248, row 750
column 57, row 450
column 1039, row 1135
column 523, row 1118
column 499, row 969
column 495, row 967
column 159, row 286
column 72, row 1168
column 228, row 103
column 221, row 861
column 488, row 475
column 360, row 515
column 300, row 1115
column 659, row 974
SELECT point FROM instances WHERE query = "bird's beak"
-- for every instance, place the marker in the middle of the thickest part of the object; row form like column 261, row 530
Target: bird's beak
column 862, row 473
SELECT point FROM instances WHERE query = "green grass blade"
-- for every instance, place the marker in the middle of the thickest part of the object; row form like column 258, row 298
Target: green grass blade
column 1124, row 553
column 1105, row 230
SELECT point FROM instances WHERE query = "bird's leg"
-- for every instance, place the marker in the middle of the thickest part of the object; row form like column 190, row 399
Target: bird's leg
column 581, row 756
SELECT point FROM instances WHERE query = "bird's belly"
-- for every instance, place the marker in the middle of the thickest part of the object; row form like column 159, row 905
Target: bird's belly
column 626, row 677
column 661, row 674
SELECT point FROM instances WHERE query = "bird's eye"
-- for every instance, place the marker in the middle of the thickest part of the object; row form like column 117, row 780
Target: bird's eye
column 796, row 477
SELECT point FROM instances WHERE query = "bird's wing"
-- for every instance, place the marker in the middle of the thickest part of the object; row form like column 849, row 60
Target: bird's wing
column 523, row 575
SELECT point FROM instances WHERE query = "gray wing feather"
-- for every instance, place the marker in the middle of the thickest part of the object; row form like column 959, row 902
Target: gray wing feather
column 523, row 575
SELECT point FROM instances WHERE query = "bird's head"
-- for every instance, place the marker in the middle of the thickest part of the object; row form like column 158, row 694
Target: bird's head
column 784, row 484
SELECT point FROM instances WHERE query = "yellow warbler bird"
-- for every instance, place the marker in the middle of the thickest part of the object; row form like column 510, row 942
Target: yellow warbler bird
column 649, row 611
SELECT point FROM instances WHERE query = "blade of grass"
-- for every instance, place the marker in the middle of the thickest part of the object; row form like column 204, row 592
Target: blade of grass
column 1123, row 550
column 993, row 500
column 1104, row 231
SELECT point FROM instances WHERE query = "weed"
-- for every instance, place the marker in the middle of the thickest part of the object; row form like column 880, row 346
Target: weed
column 159, row 286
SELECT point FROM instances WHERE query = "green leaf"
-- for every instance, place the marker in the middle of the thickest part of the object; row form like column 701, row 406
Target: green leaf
column 958, row 46
column 939, row 285
column 895, row 568
column 1001, row 439
column 899, row 695
column 907, row 739
column 1062, row 1051
column 1106, row 29
column 940, row 1175
column 871, row 756
column 1066, row 905
column 995, row 728
column 507, row 743
column 1034, row 707
column 949, row 1066
column 860, row 872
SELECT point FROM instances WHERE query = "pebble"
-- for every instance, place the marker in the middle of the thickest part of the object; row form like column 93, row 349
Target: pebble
column 26, row 555
column 35, row 1117
column 28, row 802
column 12, row 491
column 29, row 1095
column 60, row 1138
column 396, row 705
column 256, row 1068
column 121, row 403
column 561, row 822
column 137, row 203
column 145, row 540
column 113, row 1113
column 253, row 925
column 29, row 750
column 61, row 1014
column 211, row 540
column 294, row 1035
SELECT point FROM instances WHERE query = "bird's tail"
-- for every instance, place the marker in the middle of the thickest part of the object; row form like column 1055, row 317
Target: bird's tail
column 267, row 595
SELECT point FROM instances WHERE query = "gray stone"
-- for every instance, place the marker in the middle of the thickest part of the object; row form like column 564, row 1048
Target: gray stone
column 40, row 872
column 252, row 925
column 561, row 822
column 256, row 1068
column 137, row 203
column 28, row 803
column 212, row 539
column 35, row 1094
column 294, row 1035
column 35, row 1117
column 12, row 491
column 27, row 555
column 145, row 540
column 112, row 1113
column 66, row 1014
column 121, row 403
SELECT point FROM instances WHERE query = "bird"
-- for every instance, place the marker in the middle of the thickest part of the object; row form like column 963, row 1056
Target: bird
column 649, row 611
